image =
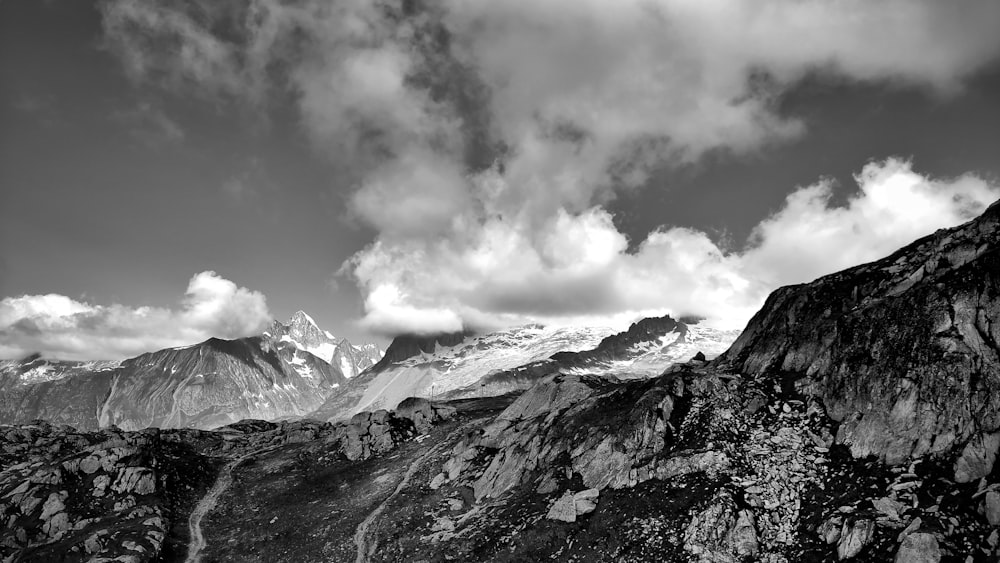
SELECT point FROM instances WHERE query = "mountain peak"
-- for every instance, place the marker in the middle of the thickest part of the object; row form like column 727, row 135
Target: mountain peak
column 301, row 318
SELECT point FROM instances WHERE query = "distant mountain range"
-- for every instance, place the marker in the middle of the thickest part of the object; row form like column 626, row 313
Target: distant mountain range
column 288, row 371
column 296, row 369
column 463, row 365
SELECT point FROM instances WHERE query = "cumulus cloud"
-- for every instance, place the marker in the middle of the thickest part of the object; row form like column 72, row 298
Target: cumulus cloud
column 64, row 328
column 484, row 138
column 576, row 268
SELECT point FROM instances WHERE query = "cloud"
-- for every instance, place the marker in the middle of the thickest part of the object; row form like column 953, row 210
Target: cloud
column 64, row 328
column 809, row 237
column 483, row 139
column 577, row 267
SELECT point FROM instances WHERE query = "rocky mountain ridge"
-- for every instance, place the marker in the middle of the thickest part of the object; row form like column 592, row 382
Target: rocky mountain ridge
column 302, row 332
column 903, row 351
column 216, row 382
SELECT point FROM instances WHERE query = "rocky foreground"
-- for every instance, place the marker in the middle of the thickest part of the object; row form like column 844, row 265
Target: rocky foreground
column 857, row 418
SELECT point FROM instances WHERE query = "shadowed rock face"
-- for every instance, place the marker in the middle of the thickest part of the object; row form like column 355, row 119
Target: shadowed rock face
column 903, row 351
column 407, row 346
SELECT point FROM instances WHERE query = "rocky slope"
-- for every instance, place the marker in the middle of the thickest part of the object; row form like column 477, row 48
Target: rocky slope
column 903, row 352
column 112, row 495
column 422, row 366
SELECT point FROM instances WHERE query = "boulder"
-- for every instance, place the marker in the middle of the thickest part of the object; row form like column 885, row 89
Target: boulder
column 977, row 457
column 919, row 548
column 721, row 532
column 586, row 501
column 991, row 508
column 563, row 509
column 423, row 413
column 854, row 536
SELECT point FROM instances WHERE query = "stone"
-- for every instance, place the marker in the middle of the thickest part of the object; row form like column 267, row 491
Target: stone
column 913, row 527
column 710, row 462
column 977, row 458
column 54, row 504
column 90, row 464
column 563, row 509
column 55, row 525
column 93, row 543
column 991, row 508
column 829, row 530
column 720, row 532
column 101, row 483
column 443, row 525
column 919, row 548
column 854, row 536
column 889, row 507
column 586, row 501
column 437, row 481
column 136, row 480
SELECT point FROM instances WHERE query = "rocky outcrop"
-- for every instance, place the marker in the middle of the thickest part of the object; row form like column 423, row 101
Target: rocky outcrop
column 423, row 413
column 370, row 434
column 572, row 505
column 79, row 496
column 555, row 419
column 722, row 532
column 903, row 352
column 373, row 433
column 407, row 346
column 919, row 548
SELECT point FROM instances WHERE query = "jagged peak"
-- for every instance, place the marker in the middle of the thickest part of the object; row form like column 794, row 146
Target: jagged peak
column 301, row 317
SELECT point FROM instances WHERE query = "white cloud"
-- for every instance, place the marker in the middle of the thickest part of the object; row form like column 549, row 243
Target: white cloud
column 896, row 205
column 573, row 99
column 64, row 328
column 576, row 268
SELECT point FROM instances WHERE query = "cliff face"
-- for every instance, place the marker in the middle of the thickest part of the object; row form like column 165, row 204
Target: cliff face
column 903, row 352
column 407, row 346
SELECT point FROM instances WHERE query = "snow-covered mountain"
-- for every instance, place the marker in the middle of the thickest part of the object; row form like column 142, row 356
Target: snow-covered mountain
column 463, row 365
column 36, row 369
column 302, row 332
column 285, row 372
column 426, row 366
column 646, row 349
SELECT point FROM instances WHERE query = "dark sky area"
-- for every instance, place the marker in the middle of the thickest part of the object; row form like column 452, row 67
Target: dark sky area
column 117, row 190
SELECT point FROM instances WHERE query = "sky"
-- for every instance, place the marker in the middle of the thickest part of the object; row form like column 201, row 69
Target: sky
column 172, row 171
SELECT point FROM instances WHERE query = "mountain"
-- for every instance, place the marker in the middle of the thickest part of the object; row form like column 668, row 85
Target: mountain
column 36, row 369
column 903, row 351
column 422, row 366
column 273, row 376
column 856, row 418
column 644, row 350
column 302, row 332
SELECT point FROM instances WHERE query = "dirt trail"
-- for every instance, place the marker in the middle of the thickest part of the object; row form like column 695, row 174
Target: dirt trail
column 366, row 548
column 206, row 504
